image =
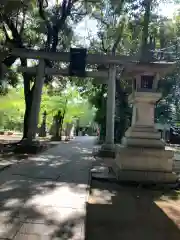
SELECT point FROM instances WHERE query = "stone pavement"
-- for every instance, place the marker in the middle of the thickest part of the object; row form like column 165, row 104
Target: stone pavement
column 44, row 197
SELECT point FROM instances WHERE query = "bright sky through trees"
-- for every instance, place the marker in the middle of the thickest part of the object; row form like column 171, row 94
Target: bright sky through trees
column 88, row 27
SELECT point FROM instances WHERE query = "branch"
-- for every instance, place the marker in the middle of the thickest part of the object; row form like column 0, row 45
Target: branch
column 16, row 36
column 23, row 21
column 16, row 42
column 145, row 28
column 17, row 17
column 6, row 34
column 65, row 12
column 102, row 44
column 9, row 61
column 114, row 48
column 79, row 13
column 120, row 9
column 99, row 19
column 48, row 25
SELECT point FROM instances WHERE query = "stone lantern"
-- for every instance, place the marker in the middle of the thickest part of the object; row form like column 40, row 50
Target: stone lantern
column 143, row 98
column 142, row 155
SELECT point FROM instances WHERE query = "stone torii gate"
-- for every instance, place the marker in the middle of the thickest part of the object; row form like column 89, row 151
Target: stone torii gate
column 142, row 156
column 104, row 77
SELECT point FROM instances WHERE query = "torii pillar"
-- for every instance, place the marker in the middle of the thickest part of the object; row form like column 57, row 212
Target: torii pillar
column 36, row 102
column 108, row 148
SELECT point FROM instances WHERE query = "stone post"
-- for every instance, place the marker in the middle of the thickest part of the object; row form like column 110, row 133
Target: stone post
column 36, row 102
column 134, row 116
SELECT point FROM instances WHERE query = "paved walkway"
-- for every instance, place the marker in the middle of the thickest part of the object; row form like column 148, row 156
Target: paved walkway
column 44, row 197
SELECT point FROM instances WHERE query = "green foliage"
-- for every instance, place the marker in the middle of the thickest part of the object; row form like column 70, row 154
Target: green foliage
column 120, row 28
column 12, row 110
column 68, row 101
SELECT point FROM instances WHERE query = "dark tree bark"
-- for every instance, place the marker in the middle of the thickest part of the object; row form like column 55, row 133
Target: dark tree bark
column 28, row 96
column 122, row 115
column 145, row 32
column 28, row 105
column 51, row 45
column 58, row 120
column 103, row 116
column 17, row 42
column 42, row 130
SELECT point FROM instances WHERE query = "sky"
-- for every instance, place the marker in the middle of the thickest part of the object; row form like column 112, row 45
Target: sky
column 85, row 27
column 169, row 9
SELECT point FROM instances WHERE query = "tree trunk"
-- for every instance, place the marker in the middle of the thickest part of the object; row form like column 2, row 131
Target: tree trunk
column 103, row 120
column 58, row 120
column 102, row 131
column 42, row 129
column 28, row 96
column 28, row 105
column 57, row 126
column 61, row 127
column 121, row 116
column 36, row 92
column 145, row 31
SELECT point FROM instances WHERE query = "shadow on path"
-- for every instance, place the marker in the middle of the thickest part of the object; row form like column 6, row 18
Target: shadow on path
column 44, row 196
column 126, row 213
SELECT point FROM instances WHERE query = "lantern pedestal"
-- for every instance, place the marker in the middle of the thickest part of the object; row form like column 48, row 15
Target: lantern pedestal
column 143, row 136
column 142, row 132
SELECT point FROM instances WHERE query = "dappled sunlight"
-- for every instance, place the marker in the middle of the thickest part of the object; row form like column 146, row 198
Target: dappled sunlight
column 175, row 149
column 13, row 202
column 46, row 194
column 44, row 157
column 127, row 211
column 101, row 197
column 65, row 193
column 57, row 163
column 90, row 158
column 171, row 209
column 55, row 223
column 82, row 150
column 170, row 148
column 36, row 202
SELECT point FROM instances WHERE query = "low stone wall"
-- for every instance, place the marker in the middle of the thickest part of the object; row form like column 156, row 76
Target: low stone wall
column 6, row 133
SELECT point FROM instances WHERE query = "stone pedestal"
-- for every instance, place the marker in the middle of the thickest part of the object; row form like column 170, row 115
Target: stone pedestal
column 144, row 164
column 144, row 159
column 143, row 136
column 107, row 151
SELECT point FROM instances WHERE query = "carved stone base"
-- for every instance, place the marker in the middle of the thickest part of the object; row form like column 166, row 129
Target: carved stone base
column 146, row 159
column 103, row 173
column 144, row 164
column 146, row 176
column 107, row 151
column 143, row 136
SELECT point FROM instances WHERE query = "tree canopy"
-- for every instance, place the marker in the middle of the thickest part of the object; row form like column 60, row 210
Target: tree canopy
column 123, row 27
column 69, row 100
